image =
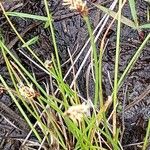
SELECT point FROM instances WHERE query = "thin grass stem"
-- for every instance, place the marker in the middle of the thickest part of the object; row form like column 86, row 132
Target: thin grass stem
column 95, row 59
column 116, row 68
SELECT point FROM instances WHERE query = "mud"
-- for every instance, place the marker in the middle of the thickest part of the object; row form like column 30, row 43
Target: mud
column 71, row 33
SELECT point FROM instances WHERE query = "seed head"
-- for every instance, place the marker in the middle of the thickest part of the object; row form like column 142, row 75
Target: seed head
column 27, row 91
column 48, row 64
column 78, row 5
column 76, row 113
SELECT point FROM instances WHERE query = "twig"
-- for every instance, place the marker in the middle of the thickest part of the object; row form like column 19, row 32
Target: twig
column 9, row 113
column 138, row 99
column 16, row 39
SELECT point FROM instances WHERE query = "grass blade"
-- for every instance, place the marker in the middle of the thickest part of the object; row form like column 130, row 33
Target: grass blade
column 145, row 26
column 147, row 136
column 133, row 60
column 113, row 14
column 133, row 12
column 26, row 15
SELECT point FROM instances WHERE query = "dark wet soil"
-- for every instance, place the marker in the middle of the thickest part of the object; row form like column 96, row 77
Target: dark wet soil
column 71, row 33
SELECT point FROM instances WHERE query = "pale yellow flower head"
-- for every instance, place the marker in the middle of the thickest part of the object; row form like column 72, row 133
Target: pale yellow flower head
column 76, row 112
column 78, row 5
column 27, row 91
column 48, row 64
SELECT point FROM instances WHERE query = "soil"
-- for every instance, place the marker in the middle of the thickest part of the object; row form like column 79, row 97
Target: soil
column 71, row 33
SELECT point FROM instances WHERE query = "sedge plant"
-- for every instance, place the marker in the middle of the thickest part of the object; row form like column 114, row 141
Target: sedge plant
column 64, row 120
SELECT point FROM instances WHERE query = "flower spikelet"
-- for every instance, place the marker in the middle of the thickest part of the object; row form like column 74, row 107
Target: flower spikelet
column 48, row 64
column 76, row 113
column 78, row 5
column 27, row 91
